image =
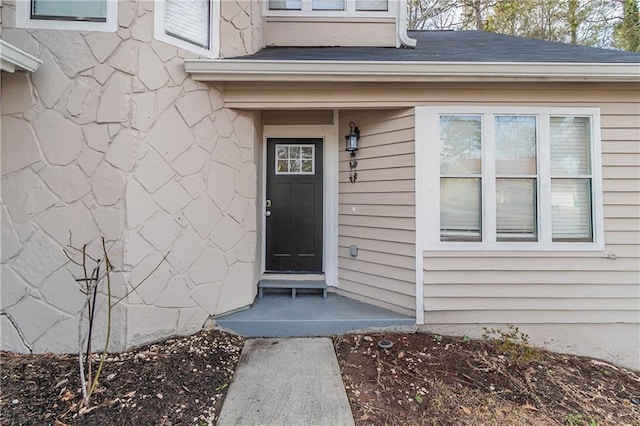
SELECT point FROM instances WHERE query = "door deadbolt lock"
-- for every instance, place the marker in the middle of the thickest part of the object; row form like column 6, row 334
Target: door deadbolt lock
column 268, row 203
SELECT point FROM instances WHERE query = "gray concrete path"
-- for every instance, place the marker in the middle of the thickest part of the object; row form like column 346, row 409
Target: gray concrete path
column 282, row 382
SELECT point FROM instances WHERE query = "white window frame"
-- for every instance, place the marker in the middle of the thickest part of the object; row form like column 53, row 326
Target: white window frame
column 214, row 31
column 349, row 11
column 428, row 180
column 24, row 20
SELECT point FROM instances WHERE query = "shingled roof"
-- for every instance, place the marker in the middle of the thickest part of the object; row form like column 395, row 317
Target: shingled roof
column 455, row 46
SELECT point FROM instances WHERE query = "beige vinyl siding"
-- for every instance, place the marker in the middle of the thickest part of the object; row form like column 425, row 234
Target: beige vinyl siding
column 377, row 213
column 556, row 287
column 329, row 31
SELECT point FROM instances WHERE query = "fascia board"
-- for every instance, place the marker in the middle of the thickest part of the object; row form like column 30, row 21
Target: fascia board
column 403, row 71
column 13, row 58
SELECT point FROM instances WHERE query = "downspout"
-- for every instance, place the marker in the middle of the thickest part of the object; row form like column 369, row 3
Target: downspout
column 403, row 38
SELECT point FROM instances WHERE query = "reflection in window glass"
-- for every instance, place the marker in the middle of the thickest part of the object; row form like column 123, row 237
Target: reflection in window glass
column 295, row 159
column 571, row 210
column 515, row 145
column 460, row 145
column 327, row 5
column 460, row 204
column 285, row 4
column 570, row 147
column 372, row 5
column 516, row 209
column 93, row 11
column 188, row 20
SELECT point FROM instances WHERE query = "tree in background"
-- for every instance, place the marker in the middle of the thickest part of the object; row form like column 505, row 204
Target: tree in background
column 601, row 23
column 422, row 14
column 626, row 34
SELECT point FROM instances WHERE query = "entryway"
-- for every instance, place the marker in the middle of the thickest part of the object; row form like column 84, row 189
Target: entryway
column 294, row 205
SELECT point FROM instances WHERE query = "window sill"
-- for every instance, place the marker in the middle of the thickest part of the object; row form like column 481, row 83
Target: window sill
column 514, row 246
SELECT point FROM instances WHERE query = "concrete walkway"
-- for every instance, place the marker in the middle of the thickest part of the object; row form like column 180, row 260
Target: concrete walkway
column 293, row 381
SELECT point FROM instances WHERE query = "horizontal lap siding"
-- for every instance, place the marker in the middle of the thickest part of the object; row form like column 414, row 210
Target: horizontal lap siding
column 377, row 213
column 558, row 287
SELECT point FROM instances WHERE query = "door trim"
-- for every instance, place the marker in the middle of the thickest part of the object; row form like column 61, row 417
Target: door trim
column 330, row 187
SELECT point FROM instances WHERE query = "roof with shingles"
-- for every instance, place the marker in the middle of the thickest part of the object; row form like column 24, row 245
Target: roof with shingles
column 455, row 46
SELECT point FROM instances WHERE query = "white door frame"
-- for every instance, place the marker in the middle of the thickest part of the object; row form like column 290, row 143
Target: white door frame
column 329, row 135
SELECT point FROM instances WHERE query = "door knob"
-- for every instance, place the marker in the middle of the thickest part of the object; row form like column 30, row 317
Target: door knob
column 267, row 213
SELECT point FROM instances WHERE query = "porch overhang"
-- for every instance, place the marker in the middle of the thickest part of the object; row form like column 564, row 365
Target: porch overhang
column 13, row 59
column 244, row 70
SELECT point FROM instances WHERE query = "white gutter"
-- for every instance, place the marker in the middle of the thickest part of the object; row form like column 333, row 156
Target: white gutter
column 13, row 59
column 405, row 71
column 401, row 24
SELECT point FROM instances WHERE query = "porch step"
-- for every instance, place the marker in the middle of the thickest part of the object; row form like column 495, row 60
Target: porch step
column 278, row 315
column 293, row 286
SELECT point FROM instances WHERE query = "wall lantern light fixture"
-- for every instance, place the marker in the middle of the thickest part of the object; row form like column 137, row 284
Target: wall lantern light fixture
column 352, row 146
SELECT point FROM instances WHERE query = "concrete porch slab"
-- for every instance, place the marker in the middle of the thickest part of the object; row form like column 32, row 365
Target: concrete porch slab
column 278, row 315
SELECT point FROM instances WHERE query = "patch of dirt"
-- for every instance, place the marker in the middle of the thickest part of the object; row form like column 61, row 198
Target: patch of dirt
column 179, row 381
column 429, row 379
column 423, row 379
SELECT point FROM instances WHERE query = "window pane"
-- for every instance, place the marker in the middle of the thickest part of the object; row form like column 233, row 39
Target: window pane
column 516, row 145
column 285, row 4
column 283, row 151
column 570, row 146
column 571, row 210
column 516, row 209
column 90, row 10
column 327, row 5
column 307, row 152
column 376, row 5
column 188, row 20
column 460, row 145
column 460, row 209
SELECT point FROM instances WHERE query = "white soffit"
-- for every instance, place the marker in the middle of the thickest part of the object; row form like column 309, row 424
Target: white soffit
column 13, row 59
column 401, row 71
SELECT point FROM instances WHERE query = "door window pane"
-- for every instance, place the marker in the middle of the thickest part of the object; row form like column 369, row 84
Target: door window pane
column 571, row 210
column 515, row 145
column 188, row 20
column 460, row 145
column 570, row 146
column 460, row 203
column 90, row 10
column 295, row 159
column 516, row 209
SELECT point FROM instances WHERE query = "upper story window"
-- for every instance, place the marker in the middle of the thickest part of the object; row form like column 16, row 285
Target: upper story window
column 318, row 7
column 90, row 15
column 519, row 178
column 188, row 24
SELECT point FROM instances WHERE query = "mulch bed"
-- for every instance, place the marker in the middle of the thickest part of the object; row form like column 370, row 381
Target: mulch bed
column 423, row 379
column 430, row 379
column 176, row 382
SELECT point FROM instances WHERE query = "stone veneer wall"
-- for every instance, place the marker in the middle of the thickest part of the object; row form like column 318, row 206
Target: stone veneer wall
column 111, row 137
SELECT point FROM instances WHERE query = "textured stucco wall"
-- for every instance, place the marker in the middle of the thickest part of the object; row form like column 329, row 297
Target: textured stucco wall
column 241, row 27
column 111, row 137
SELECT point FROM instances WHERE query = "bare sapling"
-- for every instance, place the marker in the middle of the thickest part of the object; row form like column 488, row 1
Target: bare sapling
column 96, row 275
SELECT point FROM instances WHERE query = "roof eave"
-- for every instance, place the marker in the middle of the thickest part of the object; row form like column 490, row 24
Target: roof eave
column 403, row 71
column 13, row 59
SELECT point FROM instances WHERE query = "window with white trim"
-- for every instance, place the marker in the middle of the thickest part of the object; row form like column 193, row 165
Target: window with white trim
column 524, row 178
column 317, row 7
column 188, row 24
column 89, row 15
